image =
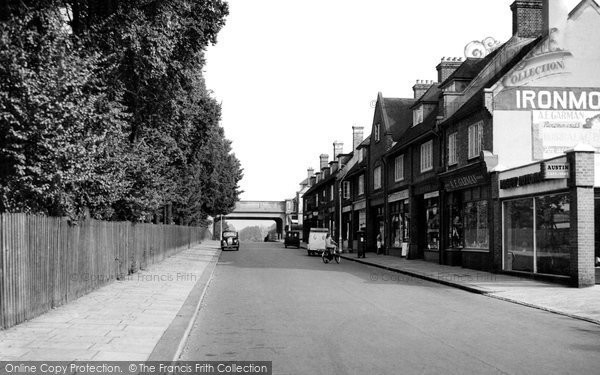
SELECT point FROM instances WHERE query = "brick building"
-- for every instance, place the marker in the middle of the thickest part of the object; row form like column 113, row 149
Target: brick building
column 494, row 166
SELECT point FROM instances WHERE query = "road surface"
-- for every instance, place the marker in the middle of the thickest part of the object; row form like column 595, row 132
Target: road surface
column 266, row 302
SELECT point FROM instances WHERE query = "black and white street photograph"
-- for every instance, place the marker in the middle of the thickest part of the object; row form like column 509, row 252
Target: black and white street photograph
column 290, row 187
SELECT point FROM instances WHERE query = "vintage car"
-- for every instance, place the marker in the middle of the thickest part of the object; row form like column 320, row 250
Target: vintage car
column 292, row 238
column 230, row 240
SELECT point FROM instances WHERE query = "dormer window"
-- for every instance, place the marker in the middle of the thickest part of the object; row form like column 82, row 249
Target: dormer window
column 418, row 115
column 377, row 133
column 360, row 155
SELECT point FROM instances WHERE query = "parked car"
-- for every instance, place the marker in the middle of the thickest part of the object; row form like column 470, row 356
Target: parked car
column 230, row 240
column 292, row 238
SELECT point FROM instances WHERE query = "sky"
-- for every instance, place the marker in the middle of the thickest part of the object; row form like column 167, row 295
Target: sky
column 294, row 76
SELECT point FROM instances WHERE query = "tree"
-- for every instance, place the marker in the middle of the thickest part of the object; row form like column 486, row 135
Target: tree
column 104, row 111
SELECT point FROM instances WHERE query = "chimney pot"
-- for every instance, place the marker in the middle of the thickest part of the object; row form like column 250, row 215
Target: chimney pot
column 324, row 161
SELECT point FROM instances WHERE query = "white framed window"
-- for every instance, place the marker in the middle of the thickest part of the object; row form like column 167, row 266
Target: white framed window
column 377, row 178
column 452, row 151
column 427, row 156
column 377, row 132
column 331, row 191
column 475, row 139
column 360, row 155
column 418, row 115
column 361, row 184
column 399, row 168
column 317, row 200
column 346, row 189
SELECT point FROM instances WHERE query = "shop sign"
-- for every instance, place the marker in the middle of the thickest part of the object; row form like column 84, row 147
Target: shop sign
column 526, row 179
column 554, row 132
column 331, row 209
column 548, row 98
column 463, row 182
column 544, row 60
column 347, row 209
column 400, row 195
column 360, row 205
column 555, row 170
column 433, row 194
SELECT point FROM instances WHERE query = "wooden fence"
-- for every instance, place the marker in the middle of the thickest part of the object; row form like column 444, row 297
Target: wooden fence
column 46, row 261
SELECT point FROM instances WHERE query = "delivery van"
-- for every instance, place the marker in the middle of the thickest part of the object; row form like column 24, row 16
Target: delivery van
column 316, row 240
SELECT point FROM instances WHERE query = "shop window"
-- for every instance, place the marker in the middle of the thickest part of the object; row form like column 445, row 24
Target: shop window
column 545, row 249
column 452, row 152
column 399, row 223
column 475, row 139
column 553, row 226
column 468, row 219
column 432, row 216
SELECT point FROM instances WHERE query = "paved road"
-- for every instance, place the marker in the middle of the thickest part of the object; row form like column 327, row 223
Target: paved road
column 270, row 303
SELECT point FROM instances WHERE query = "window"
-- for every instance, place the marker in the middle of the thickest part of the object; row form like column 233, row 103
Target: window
column 452, row 156
column 360, row 155
column 377, row 133
column 475, row 139
column 427, row 156
column 377, row 178
column 331, row 193
column 399, row 168
column 346, row 189
column 418, row 115
column 547, row 218
column 361, row 184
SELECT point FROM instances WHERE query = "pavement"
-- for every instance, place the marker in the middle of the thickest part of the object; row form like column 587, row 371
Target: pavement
column 578, row 303
column 145, row 316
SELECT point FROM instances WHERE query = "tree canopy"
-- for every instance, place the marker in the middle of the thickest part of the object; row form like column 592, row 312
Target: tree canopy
column 104, row 111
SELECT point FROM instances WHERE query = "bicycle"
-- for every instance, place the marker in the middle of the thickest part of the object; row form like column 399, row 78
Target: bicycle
column 329, row 255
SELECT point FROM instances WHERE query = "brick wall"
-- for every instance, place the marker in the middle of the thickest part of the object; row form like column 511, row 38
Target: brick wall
column 582, row 218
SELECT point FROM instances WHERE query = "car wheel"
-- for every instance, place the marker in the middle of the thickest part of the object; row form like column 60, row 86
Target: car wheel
column 286, row 246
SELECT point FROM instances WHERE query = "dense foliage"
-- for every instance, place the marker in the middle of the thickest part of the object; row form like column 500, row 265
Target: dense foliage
column 104, row 111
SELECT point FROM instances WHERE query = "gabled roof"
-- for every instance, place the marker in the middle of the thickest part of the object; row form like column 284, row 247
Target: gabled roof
column 357, row 168
column 476, row 101
column 468, row 69
column 321, row 183
column 432, row 95
column 365, row 143
column 416, row 132
column 398, row 114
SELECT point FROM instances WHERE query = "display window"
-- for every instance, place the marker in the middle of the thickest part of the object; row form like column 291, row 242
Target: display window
column 536, row 234
column 399, row 221
column 432, row 216
column 468, row 219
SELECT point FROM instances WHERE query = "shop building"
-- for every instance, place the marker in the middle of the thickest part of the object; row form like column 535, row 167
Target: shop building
column 390, row 119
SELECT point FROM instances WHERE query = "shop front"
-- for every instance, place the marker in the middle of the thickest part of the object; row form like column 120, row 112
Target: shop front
column 466, row 218
column 536, row 218
column 399, row 223
column 346, row 228
column 426, row 224
column 359, row 220
column 376, row 234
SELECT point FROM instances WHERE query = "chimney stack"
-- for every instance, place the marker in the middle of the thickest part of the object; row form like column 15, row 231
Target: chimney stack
column 324, row 161
column 421, row 87
column 338, row 148
column 447, row 66
column 311, row 172
column 357, row 136
column 529, row 17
